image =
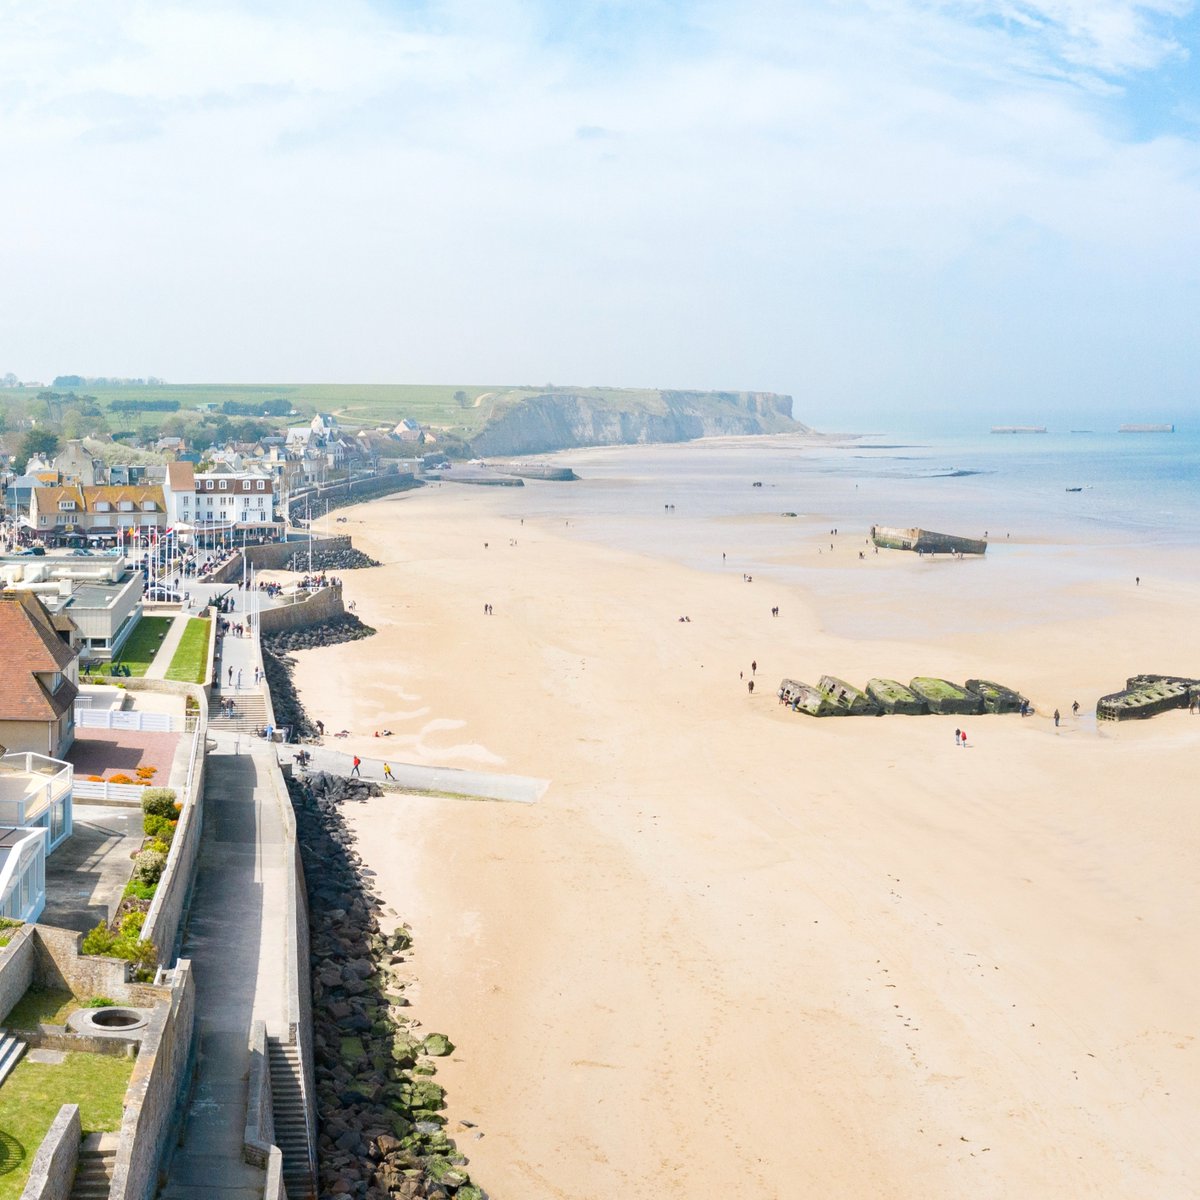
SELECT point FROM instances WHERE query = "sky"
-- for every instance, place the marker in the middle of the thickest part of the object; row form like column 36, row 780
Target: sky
column 958, row 210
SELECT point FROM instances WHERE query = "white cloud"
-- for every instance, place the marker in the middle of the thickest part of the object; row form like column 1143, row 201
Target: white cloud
column 729, row 195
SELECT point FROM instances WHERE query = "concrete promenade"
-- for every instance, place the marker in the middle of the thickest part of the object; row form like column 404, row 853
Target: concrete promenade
column 236, row 939
column 478, row 785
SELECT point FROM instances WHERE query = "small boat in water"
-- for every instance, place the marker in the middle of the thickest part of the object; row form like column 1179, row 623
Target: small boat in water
column 1075, row 489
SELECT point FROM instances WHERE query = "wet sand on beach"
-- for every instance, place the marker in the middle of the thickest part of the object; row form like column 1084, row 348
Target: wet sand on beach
column 736, row 951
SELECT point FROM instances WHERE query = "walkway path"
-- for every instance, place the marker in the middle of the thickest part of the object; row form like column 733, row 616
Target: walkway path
column 484, row 785
column 162, row 660
column 236, row 939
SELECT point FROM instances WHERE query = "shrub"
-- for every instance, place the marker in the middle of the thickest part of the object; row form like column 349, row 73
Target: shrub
column 139, row 951
column 96, row 778
column 146, row 772
column 143, row 891
column 99, row 940
column 158, row 827
column 99, row 1002
column 121, row 778
column 158, row 846
column 159, row 802
column 132, row 923
column 148, row 866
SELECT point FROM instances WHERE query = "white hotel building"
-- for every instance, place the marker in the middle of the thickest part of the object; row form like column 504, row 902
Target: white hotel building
column 220, row 501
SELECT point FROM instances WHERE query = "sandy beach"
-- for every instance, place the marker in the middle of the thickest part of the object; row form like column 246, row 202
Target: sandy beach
column 736, row 951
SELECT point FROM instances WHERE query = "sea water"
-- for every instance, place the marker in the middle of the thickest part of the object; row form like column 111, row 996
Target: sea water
column 766, row 508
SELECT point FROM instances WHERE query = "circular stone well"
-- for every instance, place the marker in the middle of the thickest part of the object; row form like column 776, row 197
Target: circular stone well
column 118, row 1021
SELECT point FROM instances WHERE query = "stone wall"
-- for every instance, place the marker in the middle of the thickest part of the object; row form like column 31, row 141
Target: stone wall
column 16, row 968
column 339, row 495
column 52, row 1172
column 316, row 607
column 157, row 1089
column 59, row 964
column 276, row 555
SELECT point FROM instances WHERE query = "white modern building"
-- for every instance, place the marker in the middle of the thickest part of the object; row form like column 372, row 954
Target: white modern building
column 35, row 818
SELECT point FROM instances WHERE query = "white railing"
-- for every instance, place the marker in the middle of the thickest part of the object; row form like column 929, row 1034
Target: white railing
column 57, row 778
column 106, row 718
column 89, row 789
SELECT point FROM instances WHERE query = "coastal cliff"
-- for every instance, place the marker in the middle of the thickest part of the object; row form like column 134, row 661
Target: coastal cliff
column 526, row 422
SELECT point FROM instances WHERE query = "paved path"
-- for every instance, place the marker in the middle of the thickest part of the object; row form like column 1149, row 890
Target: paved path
column 483, row 785
column 162, row 660
column 236, row 940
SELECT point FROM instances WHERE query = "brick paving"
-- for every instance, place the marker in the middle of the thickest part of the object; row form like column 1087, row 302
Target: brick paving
column 109, row 752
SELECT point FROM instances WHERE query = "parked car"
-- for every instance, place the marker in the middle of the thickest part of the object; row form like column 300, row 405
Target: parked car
column 163, row 595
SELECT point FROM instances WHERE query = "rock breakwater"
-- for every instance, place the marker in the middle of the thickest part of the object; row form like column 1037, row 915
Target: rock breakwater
column 381, row 1134
column 278, row 665
column 329, row 558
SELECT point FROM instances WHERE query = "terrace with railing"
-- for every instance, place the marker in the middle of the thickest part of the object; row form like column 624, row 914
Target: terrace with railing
column 35, row 791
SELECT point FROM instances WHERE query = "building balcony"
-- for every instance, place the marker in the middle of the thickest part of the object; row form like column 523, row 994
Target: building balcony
column 32, row 788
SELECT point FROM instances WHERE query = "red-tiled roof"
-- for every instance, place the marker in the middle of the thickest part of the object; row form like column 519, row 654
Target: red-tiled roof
column 181, row 477
column 31, row 647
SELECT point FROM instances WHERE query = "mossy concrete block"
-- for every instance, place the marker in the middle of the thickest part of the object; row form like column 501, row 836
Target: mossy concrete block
column 995, row 696
column 942, row 696
column 893, row 697
column 849, row 700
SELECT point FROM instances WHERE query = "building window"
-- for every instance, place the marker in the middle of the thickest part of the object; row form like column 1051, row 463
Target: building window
column 262, row 483
column 224, row 484
column 66, row 506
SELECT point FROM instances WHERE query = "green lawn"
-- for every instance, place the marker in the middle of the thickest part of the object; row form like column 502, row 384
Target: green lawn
column 138, row 652
column 50, row 1006
column 191, row 656
column 32, row 1095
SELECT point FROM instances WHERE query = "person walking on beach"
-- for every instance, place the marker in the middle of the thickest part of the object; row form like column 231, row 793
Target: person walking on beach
column 957, row 735
column 387, row 771
column 963, row 735
column 750, row 686
column 1056, row 718
column 1075, row 708
column 753, row 666
column 354, row 770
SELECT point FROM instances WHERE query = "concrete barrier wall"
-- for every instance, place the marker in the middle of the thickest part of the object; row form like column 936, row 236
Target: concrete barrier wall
column 312, row 610
column 52, row 1172
column 154, row 1098
column 16, row 968
column 259, row 1138
column 299, row 990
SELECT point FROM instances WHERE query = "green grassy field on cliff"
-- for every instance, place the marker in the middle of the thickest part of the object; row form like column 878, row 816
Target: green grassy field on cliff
column 461, row 408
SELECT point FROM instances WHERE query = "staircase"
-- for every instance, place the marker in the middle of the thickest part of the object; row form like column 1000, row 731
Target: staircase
column 94, row 1171
column 11, row 1049
column 291, row 1119
column 250, row 714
